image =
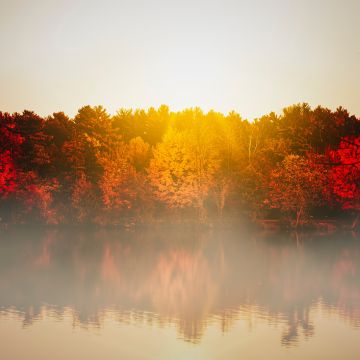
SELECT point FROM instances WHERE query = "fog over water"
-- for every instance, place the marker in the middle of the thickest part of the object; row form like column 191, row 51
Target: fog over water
column 175, row 292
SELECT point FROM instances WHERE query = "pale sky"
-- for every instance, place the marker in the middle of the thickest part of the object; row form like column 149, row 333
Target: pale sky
column 252, row 56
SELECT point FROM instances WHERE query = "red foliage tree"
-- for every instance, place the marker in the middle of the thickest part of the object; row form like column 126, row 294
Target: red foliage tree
column 7, row 175
column 345, row 173
column 10, row 142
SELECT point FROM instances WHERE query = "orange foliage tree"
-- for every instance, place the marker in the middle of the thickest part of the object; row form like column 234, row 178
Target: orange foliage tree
column 118, row 183
column 296, row 186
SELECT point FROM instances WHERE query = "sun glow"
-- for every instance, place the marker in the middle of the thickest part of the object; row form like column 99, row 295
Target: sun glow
column 252, row 57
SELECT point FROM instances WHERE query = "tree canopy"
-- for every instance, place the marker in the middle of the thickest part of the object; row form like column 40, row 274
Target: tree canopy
column 136, row 164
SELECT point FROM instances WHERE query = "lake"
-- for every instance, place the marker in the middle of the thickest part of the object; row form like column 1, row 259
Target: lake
column 178, row 293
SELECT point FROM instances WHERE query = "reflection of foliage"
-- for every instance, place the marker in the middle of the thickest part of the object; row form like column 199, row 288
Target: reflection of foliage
column 191, row 281
column 297, row 320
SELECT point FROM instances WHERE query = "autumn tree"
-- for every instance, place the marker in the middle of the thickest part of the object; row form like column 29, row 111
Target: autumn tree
column 35, row 149
column 345, row 173
column 262, row 150
column 139, row 153
column 228, row 138
column 297, row 185
column 36, row 197
column 85, row 200
column 117, row 184
column 10, row 149
column 183, row 168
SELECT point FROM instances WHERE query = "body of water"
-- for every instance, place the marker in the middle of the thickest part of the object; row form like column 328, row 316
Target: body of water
column 178, row 293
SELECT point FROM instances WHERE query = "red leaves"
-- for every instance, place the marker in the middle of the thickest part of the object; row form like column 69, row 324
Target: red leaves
column 10, row 141
column 345, row 172
column 7, row 174
column 9, row 138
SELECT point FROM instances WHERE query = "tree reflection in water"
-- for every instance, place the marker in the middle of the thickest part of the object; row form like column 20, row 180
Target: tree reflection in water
column 185, row 277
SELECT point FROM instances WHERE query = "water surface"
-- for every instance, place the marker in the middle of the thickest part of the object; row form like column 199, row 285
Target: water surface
column 178, row 293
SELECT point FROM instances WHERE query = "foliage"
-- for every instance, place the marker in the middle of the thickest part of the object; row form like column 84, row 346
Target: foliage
column 345, row 172
column 183, row 168
column 296, row 186
column 130, row 166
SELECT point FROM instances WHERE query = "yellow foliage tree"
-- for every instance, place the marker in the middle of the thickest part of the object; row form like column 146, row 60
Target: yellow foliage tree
column 183, row 168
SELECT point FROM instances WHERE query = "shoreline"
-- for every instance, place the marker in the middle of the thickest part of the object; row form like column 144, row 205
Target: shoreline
column 326, row 226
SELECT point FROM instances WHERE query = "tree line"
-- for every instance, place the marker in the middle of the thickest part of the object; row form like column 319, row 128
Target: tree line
column 146, row 165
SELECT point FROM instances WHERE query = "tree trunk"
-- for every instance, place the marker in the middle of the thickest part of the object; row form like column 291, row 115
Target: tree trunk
column 298, row 216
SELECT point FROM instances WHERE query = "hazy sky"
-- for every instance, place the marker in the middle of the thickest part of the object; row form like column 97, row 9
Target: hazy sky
column 252, row 56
